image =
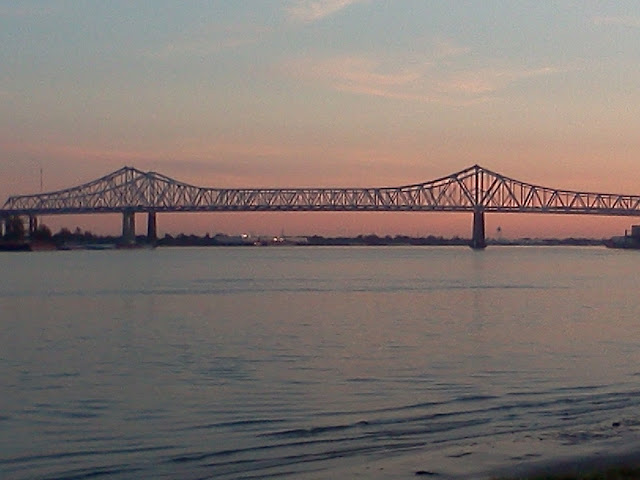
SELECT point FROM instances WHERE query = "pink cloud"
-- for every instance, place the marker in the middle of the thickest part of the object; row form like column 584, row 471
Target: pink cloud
column 427, row 81
column 488, row 80
column 307, row 11
column 414, row 82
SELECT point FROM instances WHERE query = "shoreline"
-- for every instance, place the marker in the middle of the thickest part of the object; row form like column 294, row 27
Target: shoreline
column 525, row 456
column 620, row 465
column 26, row 246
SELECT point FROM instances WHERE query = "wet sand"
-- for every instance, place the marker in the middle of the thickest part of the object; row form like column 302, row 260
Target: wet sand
column 524, row 456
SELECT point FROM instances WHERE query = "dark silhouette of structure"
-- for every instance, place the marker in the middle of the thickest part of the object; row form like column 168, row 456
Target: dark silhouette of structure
column 477, row 190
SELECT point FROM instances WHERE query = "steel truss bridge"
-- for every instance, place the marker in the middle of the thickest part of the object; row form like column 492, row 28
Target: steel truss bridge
column 475, row 189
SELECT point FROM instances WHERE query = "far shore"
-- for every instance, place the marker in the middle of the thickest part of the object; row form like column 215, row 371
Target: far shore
column 224, row 240
column 363, row 240
column 108, row 243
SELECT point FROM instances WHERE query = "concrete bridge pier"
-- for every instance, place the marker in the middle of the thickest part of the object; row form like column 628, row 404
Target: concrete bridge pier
column 152, row 227
column 33, row 225
column 478, row 241
column 128, row 226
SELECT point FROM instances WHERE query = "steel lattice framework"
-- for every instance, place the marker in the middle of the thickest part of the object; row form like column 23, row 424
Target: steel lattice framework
column 469, row 190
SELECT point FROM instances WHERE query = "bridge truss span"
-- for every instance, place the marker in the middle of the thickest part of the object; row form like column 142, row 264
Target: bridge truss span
column 474, row 189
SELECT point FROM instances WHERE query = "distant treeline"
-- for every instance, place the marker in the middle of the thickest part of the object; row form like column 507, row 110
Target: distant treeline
column 64, row 236
column 438, row 240
column 313, row 240
column 183, row 240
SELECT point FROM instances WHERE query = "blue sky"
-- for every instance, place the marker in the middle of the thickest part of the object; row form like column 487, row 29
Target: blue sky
column 322, row 93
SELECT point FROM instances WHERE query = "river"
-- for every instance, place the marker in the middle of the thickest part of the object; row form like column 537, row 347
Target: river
column 311, row 362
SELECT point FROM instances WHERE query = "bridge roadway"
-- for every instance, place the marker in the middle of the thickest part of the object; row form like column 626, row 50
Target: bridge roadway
column 475, row 189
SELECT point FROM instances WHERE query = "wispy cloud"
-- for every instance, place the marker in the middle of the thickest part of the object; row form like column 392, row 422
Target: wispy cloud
column 365, row 76
column 350, row 72
column 307, row 11
column 216, row 40
column 427, row 81
column 623, row 21
column 486, row 81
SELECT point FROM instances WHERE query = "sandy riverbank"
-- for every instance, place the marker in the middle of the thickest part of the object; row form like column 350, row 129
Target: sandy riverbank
column 508, row 457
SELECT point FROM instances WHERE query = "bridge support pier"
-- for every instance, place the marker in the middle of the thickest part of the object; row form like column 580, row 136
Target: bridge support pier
column 33, row 225
column 478, row 241
column 128, row 226
column 152, row 228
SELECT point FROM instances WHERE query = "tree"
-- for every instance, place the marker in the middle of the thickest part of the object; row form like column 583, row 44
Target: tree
column 64, row 234
column 42, row 233
column 14, row 228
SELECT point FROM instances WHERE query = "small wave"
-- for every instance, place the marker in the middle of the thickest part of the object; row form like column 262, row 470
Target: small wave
column 475, row 398
column 237, row 423
column 313, row 431
column 78, row 454
column 92, row 472
column 265, row 286
column 363, row 380
column 62, row 374
column 273, row 466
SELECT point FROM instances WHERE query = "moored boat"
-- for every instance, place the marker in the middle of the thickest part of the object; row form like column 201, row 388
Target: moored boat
column 629, row 241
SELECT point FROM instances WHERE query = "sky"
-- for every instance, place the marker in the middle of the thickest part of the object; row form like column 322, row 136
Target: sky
column 319, row 93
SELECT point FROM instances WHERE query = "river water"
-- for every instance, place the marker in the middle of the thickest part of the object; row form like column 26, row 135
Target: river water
column 304, row 362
